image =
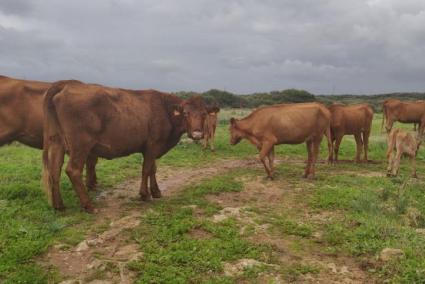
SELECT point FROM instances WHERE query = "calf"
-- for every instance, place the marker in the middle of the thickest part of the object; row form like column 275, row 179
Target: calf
column 351, row 120
column 404, row 143
column 209, row 127
column 284, row 124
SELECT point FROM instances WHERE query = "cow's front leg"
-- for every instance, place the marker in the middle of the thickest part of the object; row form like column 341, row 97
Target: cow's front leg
column 148, row 163
column 156, row 193
column 265, row 150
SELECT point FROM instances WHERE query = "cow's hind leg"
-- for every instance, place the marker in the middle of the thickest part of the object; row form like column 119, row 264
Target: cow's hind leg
column 366, row 135
column 338, row 140
column 359, row 146
column 74, row 170
column 91, row 178
column 396, row 162
column 156, row 193
column 309, row 144
column 265, row 150
column 271, row 161
column 413, row 164
column 56, row 155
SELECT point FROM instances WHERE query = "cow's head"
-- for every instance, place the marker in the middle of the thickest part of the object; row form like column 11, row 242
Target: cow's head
column 236, row 134
column 213, row 110
column 193, row 112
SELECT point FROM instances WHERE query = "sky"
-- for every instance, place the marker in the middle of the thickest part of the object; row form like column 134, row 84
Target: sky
column 242, row 46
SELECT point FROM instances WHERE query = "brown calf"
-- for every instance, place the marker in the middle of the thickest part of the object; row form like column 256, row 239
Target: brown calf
column 21, row 117
column 284, row 124
column 209, row 127
column 403, row 143
column 90, row 120
column 351, row 120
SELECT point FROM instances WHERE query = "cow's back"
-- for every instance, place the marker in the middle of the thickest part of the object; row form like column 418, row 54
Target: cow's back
column 292, row 123
column 21, row 109
column 118, row 121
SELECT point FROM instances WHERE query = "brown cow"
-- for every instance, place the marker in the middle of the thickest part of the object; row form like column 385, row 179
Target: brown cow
column 21, row 117
column 351, row 120
column 406, row 112
column 404, row 143
column 91, row 120
column 209, row 127
column 284, row 124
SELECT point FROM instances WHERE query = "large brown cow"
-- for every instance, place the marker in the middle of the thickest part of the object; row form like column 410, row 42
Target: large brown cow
column 404, row 143
column 406, row 112
column 91, row 120
column 210, row 126
column 284, row 124
column 21, row 117
column 351, row 120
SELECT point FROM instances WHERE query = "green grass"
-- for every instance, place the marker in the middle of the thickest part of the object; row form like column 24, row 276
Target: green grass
column 173, row 255
column 375, row 211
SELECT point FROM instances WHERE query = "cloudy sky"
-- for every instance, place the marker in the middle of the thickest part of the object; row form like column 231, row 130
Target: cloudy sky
column 243, row 46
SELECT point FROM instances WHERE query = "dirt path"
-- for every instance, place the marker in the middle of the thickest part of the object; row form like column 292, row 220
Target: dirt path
column 102, row 256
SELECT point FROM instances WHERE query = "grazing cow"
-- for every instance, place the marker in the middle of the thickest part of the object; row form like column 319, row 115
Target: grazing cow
column 351, row 120
column 406, row 112
column 86, row 120
column 284, row 124
column 209, row 127
column 21, row 117
column 403, row 143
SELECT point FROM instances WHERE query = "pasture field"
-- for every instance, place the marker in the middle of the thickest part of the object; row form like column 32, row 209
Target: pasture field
column 220, row 220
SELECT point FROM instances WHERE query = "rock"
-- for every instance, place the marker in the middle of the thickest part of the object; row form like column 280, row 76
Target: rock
column 235, row 269
column 126, row 252
column 226, row 213
column 61, row 246
column 83, row 246
column 420, row 231
column 95, row 264
column 332, row 267
column 343, row 270
column 388, row 254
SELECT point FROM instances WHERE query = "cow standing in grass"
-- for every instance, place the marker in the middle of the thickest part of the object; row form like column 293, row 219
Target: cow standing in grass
column 284, row 124
column 351, row 120
column 210, row 126
column 86, row 120
column 21, row 117
column 405, row 112
column 402, row 142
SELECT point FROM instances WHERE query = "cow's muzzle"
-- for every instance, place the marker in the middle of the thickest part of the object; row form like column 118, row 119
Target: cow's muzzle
column 197, row 135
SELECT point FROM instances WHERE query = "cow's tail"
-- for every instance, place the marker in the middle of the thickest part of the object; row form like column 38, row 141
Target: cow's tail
column 384, row 114
column 328, row 135
column 51, row 131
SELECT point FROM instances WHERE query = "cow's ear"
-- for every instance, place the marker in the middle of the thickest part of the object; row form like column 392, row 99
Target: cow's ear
column 213, row 110
column 232, row 121
column 178, row 110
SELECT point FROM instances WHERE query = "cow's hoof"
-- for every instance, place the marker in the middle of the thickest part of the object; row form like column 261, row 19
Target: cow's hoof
column 91, row 187
column 90, row 209
column 145, row 197
column 270, row 178
column 59, row 208
column 156, row 194
column 414, row 176
column 388, row 174
column 310, row 177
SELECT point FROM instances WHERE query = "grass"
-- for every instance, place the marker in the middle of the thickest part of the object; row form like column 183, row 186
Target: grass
column 376, row 212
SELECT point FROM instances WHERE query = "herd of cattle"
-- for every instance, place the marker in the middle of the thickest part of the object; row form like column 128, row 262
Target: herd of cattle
column 88, row 121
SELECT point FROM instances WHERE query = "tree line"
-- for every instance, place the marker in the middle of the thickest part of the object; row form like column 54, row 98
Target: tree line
column 227, row 99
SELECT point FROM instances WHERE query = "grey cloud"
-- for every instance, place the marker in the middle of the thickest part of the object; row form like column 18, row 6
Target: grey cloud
column 352, row 46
